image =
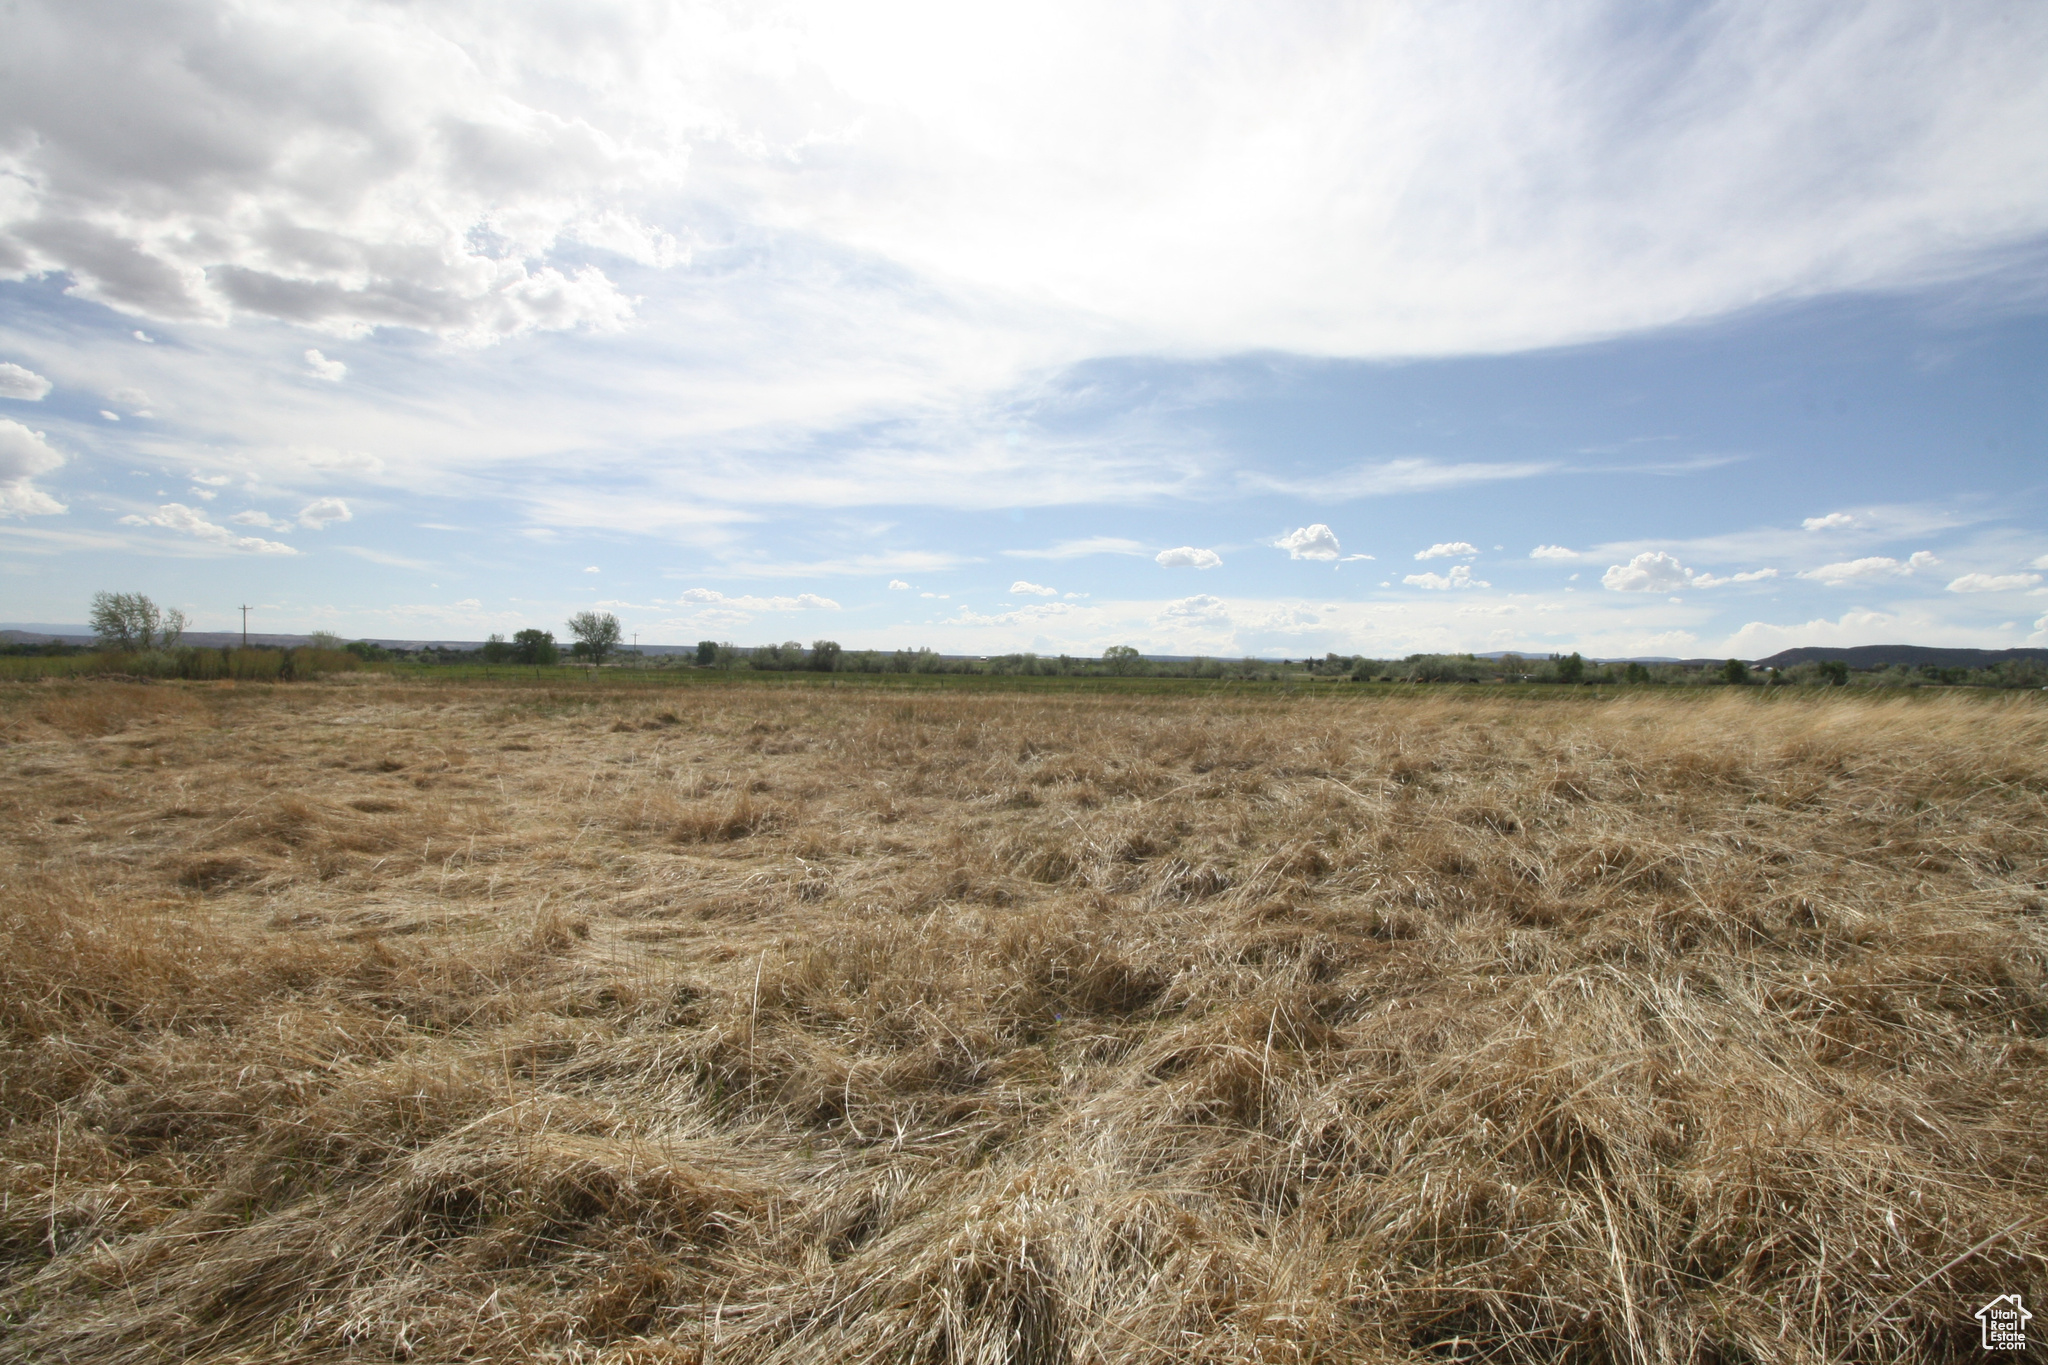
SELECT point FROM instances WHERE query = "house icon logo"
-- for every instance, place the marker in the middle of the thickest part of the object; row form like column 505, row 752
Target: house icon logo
column 2004, row 1320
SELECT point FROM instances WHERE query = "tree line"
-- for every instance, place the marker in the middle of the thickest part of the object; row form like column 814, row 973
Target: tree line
column 150, row 639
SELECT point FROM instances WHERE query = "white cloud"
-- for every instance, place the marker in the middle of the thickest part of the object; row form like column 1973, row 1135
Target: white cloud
column 1707, row 580
column 331, row 370
column 418, row 188
column 1993, row 582
column 1035, row 613
column 2041, row 563
column 1033, row 589
column 937, row 596
column 1315, row 541
column 24, row 454
column 1199, row 610
column 252, row 517
column 898, row 585
column 212, row 480
column 1828, row 522
column 1870, row 567
column 344, row 461
column 319, row 512
column 1188, row 557
column 1552, row 552
column 592, row 569
column 1460, row 577
column 1389, row 477
column 110, row 416
column 1651, row 571
column 803, row 601
column 1364, row 175
column 1076, row 549
column 1448, row 549
column 203, row 494
column 175, row 516
column 470, row 603
column 25, row 384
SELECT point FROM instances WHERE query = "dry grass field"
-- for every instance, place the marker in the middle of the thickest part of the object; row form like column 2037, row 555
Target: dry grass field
column 370, row 1021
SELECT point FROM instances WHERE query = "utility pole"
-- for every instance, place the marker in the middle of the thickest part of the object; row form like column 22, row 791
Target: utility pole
column 245, row 625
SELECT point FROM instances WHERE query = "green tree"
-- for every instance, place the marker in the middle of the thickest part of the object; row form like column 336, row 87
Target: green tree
column 824, row 656
column 531, row 646
column 495, row 650
column 596, row 632
column 1571, row 668
column 323, row 639
column 1735, row 673
column 707, row 653
column 1635, row 673
column 1835, row 671
column 1122, row 659
column 129, row 621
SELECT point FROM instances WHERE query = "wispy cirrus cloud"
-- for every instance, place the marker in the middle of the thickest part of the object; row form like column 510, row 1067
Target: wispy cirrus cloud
column 1077, row 549
column 176, row 516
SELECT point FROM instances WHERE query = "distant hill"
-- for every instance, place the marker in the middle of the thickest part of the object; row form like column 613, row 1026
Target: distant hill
column 1879, row 656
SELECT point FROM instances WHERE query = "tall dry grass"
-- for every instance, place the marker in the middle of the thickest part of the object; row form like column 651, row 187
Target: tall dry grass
column 366, row 1022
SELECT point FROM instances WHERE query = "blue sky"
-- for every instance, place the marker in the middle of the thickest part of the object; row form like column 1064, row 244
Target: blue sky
column 1230, row 329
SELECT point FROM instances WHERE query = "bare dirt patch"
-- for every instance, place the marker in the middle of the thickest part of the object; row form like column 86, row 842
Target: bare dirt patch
column 389, row 1022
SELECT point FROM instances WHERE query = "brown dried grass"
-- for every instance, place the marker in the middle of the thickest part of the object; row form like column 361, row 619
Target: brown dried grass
column 374, row 1022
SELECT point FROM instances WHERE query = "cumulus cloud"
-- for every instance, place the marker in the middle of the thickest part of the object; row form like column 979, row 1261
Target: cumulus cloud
column 331, row 370
column 803, row 601
column 252, row 517
column 19, row 382
column 319, row 512
column 1315, row 541
column 1553, row 552
column 1199, row 610
column 24, row 454
column 1033, row 589
column 1656, row 571
column 1448, row 549
column 898, row 585
column 592, row 568
column 1650, row 571
column 1870, row 567
column 1459, row 577
column 1188, row 557
column 175, row 516
column 1828, row 522
column 1993, row 582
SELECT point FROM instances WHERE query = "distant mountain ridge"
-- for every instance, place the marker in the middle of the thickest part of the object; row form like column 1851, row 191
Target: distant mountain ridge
column 1879, row 656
